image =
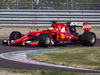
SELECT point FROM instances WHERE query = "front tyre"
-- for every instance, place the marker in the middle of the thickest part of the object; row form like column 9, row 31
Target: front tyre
column 88, row 38
column 15, row 35
column 44, row 39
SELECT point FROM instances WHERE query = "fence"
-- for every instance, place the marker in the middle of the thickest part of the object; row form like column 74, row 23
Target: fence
column 55, row 4
column 44, row 18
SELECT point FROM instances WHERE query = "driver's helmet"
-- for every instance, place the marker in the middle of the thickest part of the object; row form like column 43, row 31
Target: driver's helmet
column 54, row 25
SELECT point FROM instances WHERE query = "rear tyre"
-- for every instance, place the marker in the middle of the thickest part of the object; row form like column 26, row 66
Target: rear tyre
column 88, row 38
column 15, row 35
column 44, row 40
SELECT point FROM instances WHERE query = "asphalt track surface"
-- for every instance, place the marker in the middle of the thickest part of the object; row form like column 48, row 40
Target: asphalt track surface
column 18, row 65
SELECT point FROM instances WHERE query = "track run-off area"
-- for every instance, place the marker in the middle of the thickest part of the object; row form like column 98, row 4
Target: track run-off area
column 15, row 57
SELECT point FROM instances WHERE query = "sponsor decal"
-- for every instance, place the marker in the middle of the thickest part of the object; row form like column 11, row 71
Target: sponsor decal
column 87, row 26
column 62, row 36
column 28, row 41
column 59, row 28
column 63, row 29
column 76, row 23
column 33, row 42
column 66, row 36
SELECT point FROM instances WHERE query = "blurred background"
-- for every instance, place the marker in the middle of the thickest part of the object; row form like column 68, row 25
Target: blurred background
column 51, row 4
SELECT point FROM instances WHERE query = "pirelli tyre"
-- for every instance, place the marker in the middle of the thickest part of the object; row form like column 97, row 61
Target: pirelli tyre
column 88, row 38
column 14, row 35
column 44, row 40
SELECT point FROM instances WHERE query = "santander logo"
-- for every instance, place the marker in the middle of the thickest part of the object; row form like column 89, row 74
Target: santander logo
column 87, row 26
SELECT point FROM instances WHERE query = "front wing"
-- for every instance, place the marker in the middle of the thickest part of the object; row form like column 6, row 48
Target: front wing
column 31, row 43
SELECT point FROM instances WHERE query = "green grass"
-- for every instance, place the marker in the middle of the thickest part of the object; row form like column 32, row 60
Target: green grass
column 88, row 57
column 42, row 72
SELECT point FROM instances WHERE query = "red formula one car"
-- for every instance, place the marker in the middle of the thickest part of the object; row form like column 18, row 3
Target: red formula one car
column 58, row 34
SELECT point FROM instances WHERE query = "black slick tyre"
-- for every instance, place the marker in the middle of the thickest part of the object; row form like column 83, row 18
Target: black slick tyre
column 15, row 35
column 44, row 40
column 88, row 38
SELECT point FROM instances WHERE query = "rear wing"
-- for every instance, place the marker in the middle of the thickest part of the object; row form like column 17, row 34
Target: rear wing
column 78, row 24
column 86, row 26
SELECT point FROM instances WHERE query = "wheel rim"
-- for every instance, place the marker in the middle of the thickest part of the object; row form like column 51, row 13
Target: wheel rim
column 92, row 39
column 47, row 40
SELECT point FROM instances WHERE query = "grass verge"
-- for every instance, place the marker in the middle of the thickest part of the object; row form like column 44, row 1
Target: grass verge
column 88, row 57
column 40, row 72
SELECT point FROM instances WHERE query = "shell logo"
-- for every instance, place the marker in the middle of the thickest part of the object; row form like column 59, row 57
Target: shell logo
column 62, row 36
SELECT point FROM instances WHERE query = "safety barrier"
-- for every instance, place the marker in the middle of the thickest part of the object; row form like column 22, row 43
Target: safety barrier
column 44, row 17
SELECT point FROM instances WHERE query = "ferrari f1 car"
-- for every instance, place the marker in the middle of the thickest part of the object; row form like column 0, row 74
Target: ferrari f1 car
column 58, row 34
